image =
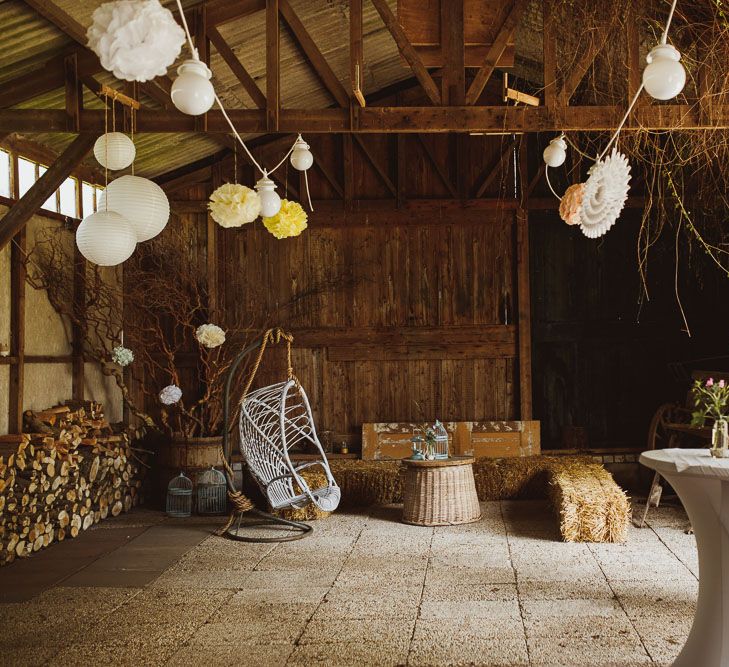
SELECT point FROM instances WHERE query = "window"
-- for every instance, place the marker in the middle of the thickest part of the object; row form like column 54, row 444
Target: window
column 5, row 190
column 88, row 199
column 50, row 204
column 26, row 175
column 67, row 197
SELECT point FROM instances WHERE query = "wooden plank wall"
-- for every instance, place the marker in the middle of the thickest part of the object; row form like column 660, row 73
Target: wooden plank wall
column 400, row 313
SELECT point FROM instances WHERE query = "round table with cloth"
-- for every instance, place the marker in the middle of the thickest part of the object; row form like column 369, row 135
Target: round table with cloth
column 702, row 484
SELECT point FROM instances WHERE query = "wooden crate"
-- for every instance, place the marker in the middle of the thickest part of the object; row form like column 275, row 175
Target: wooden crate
column 495, row 439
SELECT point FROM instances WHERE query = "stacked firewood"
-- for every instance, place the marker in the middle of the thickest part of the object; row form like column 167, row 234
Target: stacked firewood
column 67, row 472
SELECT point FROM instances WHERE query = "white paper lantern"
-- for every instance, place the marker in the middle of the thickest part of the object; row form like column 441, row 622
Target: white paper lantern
column 140, row 201
column 106, row 238
column 137, row 40
column 604, row 195
column 114, row 150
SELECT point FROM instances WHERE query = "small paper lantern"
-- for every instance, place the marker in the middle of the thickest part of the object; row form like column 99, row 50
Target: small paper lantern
column 141, row 201
column 114, row 150
column 106, row 238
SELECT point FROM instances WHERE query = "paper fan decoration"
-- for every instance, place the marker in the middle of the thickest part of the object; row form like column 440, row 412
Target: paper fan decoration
column 604, row 194
column 137, row 40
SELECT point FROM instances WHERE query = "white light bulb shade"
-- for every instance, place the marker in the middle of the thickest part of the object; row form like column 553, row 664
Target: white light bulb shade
column 664, row 77
column 192, row 93
column 140, row 201
column 270, row 201
column 301, row 157
column 114, row 150
column 556, row 153
column 106, row 238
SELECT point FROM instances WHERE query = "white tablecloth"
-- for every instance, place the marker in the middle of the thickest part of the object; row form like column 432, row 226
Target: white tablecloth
column 687, row 462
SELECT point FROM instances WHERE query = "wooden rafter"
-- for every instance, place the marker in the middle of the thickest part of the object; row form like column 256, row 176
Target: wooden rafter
column 549, row 55
column 454, row 52
column 495, row 51
column 356, row 51
column 316, row 60
column 273, row 61
column 15, row 219
column 407, row 51
column 580, row 67
column 376, row 165
column 235, row 65
column 440, row 170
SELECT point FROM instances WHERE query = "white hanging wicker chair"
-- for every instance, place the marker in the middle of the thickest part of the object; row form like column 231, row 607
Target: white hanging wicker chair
column 273, row 420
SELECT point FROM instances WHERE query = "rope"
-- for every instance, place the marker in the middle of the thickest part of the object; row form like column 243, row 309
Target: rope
column 241, row 503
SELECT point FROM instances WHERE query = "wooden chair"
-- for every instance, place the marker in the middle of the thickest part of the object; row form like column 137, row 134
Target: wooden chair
column 671, row 427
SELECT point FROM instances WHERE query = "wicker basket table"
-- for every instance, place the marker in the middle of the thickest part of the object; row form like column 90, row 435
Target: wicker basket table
column 439, row 493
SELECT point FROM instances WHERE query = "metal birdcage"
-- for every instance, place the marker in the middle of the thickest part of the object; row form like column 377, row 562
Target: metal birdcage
column 211, row 492
column 179, row 496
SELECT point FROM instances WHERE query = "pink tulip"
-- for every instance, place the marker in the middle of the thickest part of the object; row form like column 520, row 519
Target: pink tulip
column 710, row 382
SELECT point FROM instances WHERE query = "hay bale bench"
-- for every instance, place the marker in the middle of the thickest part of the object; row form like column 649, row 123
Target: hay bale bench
column 591, row 507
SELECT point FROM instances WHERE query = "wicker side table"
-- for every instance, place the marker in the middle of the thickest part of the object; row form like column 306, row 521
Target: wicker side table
column 439, row 493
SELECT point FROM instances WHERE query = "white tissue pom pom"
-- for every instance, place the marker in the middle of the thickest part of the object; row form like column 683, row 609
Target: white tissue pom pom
column 122, row 355
column 137, row 40
column 233, row 205
column 604, row 194
column 210, row 335
column 170, row 395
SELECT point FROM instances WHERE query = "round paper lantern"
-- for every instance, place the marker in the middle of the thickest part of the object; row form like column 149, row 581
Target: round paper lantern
column 137, row 40
column 192, row 93
column 140, row 201
column 106, row 238
column 664, row 77
column 114, row 150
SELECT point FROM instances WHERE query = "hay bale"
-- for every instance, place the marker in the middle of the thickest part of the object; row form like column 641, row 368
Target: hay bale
column 365, row 483
column 590, row 505
column 316, row 479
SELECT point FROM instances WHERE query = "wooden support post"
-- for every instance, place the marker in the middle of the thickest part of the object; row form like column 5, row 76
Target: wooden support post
column 453, row 84
column 402, row 168
column 523, row 293
column 17, row 331
column 273, row 100
column 356, row 50
column 549, row 55
column 348, row 166
column 44, row 187
column 74, row 98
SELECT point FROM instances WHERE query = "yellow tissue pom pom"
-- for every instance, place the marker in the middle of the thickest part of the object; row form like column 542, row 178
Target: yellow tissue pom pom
column 233, row 205
column 289, row 221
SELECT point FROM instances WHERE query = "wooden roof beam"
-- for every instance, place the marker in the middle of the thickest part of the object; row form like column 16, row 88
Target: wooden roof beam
column 273, row 66
column 316, row 60
column 408, row 52
column 496, row 51
column 452, row 38
column 356, row 51
column 15, row 219
column 235, row 65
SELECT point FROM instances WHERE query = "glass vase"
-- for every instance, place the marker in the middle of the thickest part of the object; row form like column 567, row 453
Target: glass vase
column 720, row 439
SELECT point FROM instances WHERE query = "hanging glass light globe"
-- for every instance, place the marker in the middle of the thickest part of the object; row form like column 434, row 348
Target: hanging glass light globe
column 664, row 77
column 270, row 201
column 301, row 157
column 556, row 153
column 114, row 150
column 140, row 201
column 106, row 238
column 192, row 93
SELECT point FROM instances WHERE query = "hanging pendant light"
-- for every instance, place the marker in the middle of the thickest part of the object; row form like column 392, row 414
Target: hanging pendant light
column 664, row 77
column 192, row 93
column 556, row 153
column 114, row 150
column 301, row 157
column 106, row 238
column 140, row 201
column 270, row 201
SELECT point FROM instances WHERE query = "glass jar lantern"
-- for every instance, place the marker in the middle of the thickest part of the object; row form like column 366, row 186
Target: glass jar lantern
column 720, row 439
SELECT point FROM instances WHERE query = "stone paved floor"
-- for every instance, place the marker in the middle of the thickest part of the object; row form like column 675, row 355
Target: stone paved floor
column 363, row 590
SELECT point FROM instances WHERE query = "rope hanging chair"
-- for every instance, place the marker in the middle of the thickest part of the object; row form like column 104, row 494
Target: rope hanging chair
column 272, row 421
